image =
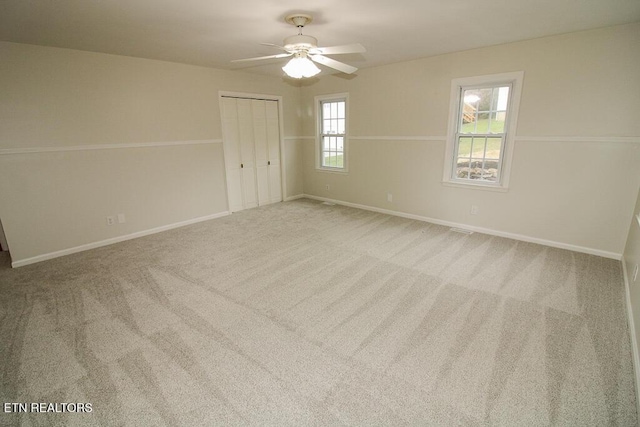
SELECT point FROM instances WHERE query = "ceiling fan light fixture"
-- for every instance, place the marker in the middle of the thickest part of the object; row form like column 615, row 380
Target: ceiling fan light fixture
column 305, row 52
column 300, row 67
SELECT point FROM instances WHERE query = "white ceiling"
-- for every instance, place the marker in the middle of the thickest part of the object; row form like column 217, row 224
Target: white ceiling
column 213, row 32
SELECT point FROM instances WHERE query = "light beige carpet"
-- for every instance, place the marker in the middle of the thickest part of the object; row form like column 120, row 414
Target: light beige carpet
column 305, row 314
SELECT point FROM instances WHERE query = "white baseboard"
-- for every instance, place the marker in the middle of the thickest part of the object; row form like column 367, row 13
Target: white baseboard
column 93, row 245
column 553, row 244
column 290, row 198
column 632, row 332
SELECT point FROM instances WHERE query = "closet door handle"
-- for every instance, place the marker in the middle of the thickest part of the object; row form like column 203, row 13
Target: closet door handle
column 241, row 165
column 269, row 163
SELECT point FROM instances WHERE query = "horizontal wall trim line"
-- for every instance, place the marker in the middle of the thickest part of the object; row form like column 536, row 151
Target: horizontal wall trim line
column 551, row 243
column 111, row 241
column 602, row 139
column 290, row 138
column 598, row 139
column 399, row 138
column 33, row 150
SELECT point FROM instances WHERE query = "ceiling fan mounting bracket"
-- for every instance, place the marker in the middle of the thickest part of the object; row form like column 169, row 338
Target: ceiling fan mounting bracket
column 298, row 19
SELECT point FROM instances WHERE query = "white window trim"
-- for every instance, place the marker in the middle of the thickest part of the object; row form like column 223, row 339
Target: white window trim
column 332, row 97
column 513, row 78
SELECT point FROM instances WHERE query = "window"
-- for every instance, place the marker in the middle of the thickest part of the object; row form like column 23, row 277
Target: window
column 482, row 124
column 332, row 132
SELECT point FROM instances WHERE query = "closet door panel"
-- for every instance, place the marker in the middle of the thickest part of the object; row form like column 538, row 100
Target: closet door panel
column 261, row 150
column 247, row 154
column 232, row 153
column 251, row 132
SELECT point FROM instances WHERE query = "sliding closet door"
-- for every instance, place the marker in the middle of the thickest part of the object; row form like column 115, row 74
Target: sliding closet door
column 251, row 133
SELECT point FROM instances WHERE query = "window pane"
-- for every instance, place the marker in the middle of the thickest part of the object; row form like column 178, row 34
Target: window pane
column 462, row 167
column 341, row 112
column 333, row 159
column 493, row 99
column 340, row 143
column 477, row 149
column 326, row 126
column 341, row 127
column 325, row 158
column 503, row 98
column 464, row 146
column 484, row 110
column 480, row 170
column 478, row 158
column 469, row 127
column 484, row 104
column 483, row 117
column 494, row 146
column 497, row 122
column 326, row 110
column 477, row 169
column 325, row 143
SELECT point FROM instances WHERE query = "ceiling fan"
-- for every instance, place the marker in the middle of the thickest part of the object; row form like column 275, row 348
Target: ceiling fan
column 304, row 50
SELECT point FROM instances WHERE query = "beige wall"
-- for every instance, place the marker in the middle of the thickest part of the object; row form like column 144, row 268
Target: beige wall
column 574, row 175
column 58, row 98
column 293, row 165
column 574, row 170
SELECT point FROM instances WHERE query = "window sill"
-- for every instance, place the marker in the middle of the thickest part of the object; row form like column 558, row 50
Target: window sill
column 331, row 170
column 484, row 187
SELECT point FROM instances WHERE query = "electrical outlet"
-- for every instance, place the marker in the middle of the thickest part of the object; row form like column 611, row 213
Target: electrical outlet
column 121, row 219
column 111, row 220
column 474, row 210
column 635, row 273
column 389, row 197
column 327, row 187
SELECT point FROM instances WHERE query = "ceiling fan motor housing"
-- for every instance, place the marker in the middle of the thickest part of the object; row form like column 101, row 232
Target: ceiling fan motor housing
column 300, row 42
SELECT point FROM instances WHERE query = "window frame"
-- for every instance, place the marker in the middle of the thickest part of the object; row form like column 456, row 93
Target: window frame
column 318, row 102
column 458, row 86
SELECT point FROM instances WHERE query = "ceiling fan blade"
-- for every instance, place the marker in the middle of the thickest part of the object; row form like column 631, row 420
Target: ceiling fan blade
column 336, row 50
column 274, row 45
column 340, row 66
column 280, row 55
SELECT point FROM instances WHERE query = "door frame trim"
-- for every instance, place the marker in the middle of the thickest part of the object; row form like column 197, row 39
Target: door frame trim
column 247, row 95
